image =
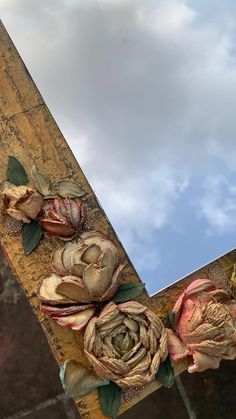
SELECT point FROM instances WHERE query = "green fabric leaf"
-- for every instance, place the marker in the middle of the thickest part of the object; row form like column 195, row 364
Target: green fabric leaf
column 165, row 373
column 69, row 189
column 127, row 292
column 78, row 380
column 42, row 181
column 110, row 399
column 16, row 173
column 170, row 323
column 31, row 234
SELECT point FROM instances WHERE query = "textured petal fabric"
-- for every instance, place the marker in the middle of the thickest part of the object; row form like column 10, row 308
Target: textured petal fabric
column 204, row 327
column 126, row 344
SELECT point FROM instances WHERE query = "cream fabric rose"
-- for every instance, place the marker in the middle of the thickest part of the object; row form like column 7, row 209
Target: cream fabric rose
column 204, row 327
column 126, row 344
column 87, row 271
column 22, row 203
column 63, row 217
column 90, row 268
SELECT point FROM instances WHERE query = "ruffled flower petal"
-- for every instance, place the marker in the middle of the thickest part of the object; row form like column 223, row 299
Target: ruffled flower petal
column 202, row 362
column 176, row 348
column 204, row 327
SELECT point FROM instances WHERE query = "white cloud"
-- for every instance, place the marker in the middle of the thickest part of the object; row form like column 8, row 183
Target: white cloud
column 218, row 205
column 145, row 93
column 165, row 16
column 145, row 202
column 129, row 92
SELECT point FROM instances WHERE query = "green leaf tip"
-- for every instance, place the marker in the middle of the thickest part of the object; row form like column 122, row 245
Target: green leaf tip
column 165, row 373
column 110, row 399
column 170, row 322
column 128, row 291
column 42, row 181
column 16, row 173
column 69, row 189
column 31, row 235
column 78, row 380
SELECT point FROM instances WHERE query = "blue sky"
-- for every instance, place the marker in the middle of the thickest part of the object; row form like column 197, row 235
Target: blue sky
column 145, row 94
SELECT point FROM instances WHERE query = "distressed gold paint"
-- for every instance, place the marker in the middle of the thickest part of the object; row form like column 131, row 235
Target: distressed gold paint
column 29, row 132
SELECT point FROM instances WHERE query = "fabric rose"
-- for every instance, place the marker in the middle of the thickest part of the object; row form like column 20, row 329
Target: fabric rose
column 126, row 344
column 63, row 217
column 22, row 203
column 204, row 326
column 64, row 311
column 87, row 271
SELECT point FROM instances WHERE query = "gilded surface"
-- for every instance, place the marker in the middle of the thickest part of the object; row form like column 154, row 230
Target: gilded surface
column 29, row 132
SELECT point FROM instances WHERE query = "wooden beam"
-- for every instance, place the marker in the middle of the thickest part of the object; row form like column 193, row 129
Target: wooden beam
column 29, row 132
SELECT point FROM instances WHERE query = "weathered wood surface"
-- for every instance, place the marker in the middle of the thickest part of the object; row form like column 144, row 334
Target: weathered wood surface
column 29, row 132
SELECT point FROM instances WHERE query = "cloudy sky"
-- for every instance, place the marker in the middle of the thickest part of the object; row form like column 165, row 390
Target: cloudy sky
column 145, row 93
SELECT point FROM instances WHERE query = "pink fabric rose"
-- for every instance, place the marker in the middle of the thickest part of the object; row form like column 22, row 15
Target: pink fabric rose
column 205, row 320
column 63, row 217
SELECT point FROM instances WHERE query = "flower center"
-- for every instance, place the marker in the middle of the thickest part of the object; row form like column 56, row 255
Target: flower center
column 123, row 343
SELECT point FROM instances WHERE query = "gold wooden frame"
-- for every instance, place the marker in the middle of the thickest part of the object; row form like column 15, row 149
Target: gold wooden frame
column 29, row 132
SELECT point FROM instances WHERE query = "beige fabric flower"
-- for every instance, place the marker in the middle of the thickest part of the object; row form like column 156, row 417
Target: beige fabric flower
column 22, row 203
column 87, row 271
column 63, row 217
column 89, row 267
column 126, row 344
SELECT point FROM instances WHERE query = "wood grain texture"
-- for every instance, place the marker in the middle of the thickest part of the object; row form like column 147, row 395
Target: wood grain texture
column 29, row 132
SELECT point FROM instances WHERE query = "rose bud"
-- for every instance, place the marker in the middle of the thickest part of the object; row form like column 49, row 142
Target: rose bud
column 22, row 203
column 63, row 217
column 204, row 326
column 126, row 344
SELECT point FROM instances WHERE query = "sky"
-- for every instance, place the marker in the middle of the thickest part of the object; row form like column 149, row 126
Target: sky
column 144, row 92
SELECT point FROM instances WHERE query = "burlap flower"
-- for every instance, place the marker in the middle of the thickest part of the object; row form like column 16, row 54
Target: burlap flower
column 126, row 344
